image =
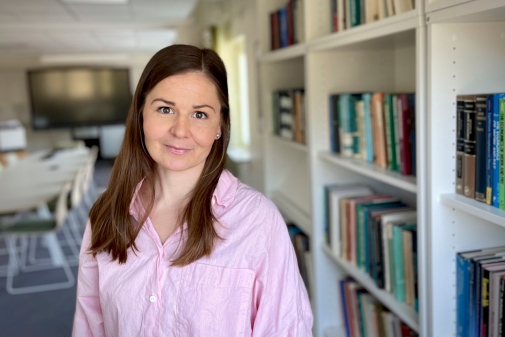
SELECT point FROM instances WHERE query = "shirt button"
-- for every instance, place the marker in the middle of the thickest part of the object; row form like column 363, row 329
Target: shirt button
column 152, row 298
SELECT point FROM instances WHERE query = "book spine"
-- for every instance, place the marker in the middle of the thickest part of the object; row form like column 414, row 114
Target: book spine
column 412, row 132
column 489, row 149
column 398, row 264
column 344, row 306
column 501, row 306
column 460, row 142
column 469, row 157
column 283, row 27
column 396, row 128
column 334, row 125
column 501, row 192
column 484, row 308
column 462, row 291
column 346, row 145
column 496, row 146
column 480, row 149
column 387, row 128
column 368, row 128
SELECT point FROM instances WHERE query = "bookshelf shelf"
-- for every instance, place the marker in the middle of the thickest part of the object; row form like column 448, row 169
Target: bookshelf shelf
column 407, row 183
column 403, row 311
column 291, row 144
column 292, row 212
column 297, row 50
column 474, row 207
column 468, row 11
column 381, row 32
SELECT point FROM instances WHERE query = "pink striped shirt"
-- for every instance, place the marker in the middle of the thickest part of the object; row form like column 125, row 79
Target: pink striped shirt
column 249, row 286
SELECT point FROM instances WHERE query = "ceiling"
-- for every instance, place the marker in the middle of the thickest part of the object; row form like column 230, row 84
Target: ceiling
column 77, row 26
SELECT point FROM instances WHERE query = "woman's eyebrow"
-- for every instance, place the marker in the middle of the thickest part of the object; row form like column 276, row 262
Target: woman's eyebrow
column 162, row 100
column 203, row 106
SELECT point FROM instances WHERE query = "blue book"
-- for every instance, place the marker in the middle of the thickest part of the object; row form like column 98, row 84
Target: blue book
column 462, row 295
column 489, row 149
column 283, row 26
column 495, row 106
column 344, row 305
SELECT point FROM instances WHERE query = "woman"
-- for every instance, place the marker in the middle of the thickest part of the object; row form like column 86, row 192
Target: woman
column 176, row 245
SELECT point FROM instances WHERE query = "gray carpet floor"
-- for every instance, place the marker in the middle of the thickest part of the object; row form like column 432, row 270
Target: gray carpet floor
column 42, row 314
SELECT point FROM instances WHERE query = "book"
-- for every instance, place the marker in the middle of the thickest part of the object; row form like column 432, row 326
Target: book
column 495, row 107
column 334, row 124
column 480, row 148
column 501, row 151
column 388, row 221
column 379, row 132
column 336, row 229
column 369, row 136
column 460, row 142
column 489, row 149
column 469, row 155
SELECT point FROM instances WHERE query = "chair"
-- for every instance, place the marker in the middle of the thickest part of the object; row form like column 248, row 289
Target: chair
column 41, row 224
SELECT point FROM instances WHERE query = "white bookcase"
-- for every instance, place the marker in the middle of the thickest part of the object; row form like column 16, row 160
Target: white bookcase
column 439, row 50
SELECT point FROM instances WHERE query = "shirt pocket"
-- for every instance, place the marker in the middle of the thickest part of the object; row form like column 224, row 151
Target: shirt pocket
column 215, row 301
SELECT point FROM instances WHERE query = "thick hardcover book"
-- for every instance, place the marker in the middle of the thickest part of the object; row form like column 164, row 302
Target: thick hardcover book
column 501, row 151
column 334, row 124
column 469, row 157
column 460, row 142
column 349, row 136
column 389, row 100
column 412, row 131
column 379, row 131
column 480, row 148
column 404, row 127
column 298, row 116
column 343, row 301
column 367, row 97
column 495, row 107
column 283, row 26
column 290, row 23
column 274, row 30
column 489, row 150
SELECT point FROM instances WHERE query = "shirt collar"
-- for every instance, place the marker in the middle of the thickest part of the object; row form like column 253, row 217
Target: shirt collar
column 226, row 189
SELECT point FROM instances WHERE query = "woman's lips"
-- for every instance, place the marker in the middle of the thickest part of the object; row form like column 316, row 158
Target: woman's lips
column 177, row 150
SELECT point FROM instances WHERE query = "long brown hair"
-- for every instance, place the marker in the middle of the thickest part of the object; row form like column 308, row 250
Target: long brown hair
column 114, row 230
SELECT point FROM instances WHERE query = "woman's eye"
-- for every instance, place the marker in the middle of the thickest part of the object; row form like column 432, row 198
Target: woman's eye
column 200, row 115
column 165, row 110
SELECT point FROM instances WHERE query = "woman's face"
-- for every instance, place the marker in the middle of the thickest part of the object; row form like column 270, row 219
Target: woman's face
column 181, row 120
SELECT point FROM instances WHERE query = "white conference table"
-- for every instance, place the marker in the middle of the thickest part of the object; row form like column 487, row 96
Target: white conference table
column 34, row 181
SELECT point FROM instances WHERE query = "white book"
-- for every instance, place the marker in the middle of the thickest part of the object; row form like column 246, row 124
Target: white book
column 387, row 233
column 338, row 233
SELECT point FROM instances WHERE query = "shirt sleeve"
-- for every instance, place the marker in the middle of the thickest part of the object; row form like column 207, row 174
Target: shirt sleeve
column 281, row 302
column 88, row 320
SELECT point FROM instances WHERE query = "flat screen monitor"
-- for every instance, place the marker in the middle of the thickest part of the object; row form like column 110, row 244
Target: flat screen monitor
column 78, row 96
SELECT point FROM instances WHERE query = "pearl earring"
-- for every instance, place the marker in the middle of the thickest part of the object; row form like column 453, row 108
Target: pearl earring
column 218, row 136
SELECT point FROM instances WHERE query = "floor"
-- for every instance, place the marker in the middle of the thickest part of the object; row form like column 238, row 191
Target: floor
column 43, row 314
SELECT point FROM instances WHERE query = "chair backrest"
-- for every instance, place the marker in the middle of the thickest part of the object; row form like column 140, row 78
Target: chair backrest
column 90, row 168
column 78, row 187
column 61, row 211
